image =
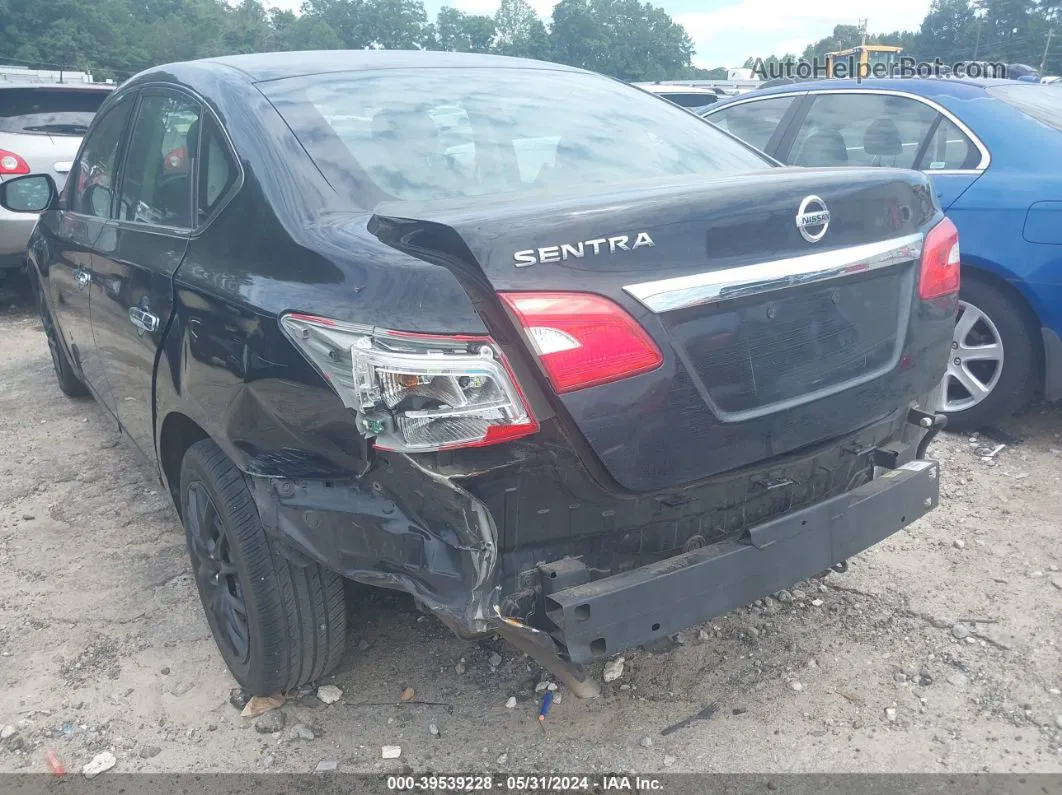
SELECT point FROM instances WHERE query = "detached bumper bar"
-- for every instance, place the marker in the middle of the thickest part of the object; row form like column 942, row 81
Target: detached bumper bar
column 639, row 606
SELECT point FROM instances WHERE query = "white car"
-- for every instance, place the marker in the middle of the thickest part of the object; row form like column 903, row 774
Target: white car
column 693, row 98
column 41, row 126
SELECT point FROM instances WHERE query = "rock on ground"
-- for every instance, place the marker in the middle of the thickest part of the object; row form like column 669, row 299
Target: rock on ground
column 100, row 763
column 270, row 723
column 329, row 694
column 613, row 669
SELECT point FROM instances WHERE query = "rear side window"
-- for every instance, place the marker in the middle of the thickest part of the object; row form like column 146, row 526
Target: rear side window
column 157, row 179
column 1043, row 103
column 753, row 122
column 419, row 134
column 217, row 170
column 949, row 149
column 48, row 111
column 862, row 130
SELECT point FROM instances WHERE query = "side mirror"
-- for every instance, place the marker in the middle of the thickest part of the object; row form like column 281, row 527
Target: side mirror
column 98, row 198
column 33, row 193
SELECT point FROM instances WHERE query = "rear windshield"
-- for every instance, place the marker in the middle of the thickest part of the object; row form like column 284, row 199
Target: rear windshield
column 1043, row 103
column 415, row 134
column 690, row 100
column 48, row 111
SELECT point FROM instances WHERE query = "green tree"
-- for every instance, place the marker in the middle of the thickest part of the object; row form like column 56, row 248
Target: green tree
column 349, row 19
column 249, row 29
column 304, row 33
column 1010, row 27
column 715, row 73
column 396, row 24
column 461, row 32
column 621, row 38
column 843, row 37
column 519, row 31
column 948, row 32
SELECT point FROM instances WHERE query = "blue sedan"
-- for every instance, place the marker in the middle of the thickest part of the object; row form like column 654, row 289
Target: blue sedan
column 993, row 149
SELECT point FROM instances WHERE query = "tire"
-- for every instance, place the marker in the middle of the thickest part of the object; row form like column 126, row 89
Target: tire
column 988, row 313
column 69, row 383
column 279, row 621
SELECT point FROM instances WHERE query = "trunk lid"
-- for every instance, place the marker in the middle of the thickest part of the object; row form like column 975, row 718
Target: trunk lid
column 773, row 339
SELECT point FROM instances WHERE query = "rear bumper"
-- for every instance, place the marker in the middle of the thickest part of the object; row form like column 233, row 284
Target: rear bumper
column 639, row 606
column 15, row 230
column 413, row 530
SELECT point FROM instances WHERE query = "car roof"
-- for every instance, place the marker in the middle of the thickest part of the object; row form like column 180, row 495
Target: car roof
column 928, row 87
column 277, row 65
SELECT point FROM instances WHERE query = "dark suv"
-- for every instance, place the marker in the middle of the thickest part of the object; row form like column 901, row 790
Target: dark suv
column 581, row 373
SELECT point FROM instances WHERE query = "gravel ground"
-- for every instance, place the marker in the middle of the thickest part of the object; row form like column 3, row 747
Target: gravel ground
column 937, row 651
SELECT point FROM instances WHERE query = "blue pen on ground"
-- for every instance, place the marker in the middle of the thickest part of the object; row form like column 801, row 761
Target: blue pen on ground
column 547, row 701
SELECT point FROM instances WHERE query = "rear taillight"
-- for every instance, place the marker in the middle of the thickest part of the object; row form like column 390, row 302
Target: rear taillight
column 940, row 262
column 11, row 164
column 583, row 339
column 416, row 392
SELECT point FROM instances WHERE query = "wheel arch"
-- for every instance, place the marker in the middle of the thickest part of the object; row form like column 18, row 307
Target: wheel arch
column 177, row 434
column 992, row 277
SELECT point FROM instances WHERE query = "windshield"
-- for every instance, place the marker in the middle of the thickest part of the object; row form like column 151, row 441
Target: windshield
column 414, row 134
column 1043, row 103
column 48, row 110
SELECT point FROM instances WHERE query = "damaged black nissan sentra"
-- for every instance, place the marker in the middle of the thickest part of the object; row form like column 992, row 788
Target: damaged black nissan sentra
column 559, row 359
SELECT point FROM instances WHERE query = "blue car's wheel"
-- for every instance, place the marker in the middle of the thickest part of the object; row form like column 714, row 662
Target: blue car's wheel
column 993, row 359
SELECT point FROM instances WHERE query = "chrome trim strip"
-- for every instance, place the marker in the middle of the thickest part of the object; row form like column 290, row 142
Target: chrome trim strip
column 986, row 156
column 667, row 295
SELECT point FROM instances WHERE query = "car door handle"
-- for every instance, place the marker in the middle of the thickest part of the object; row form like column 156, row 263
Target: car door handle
column 83, row 278
column 144, row 320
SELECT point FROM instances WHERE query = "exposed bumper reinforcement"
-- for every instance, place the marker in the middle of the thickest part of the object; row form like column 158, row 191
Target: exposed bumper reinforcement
column 645, row 604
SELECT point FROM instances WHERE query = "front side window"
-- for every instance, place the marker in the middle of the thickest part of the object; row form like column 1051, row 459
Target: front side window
column 157, row 180
column 862, row 130
column 752, row 122
column 92, row 187
column 414, row 134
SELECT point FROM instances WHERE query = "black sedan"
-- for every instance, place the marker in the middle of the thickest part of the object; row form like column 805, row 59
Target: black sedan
column 560, row 360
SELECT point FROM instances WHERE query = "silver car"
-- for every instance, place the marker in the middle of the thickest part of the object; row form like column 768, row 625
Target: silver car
column 41, row 126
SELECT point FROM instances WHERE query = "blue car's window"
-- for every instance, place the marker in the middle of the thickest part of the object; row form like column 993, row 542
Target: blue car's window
column 1043, row 103
column 752, row 122
column 426, row 134
column 847, row 129
column 949, row 149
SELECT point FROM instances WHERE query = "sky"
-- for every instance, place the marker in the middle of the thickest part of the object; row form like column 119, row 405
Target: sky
column 726, row 32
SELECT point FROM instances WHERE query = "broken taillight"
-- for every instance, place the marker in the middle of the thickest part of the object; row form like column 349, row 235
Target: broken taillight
column 940, row 262
column 416, row 392
column 583, row 339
